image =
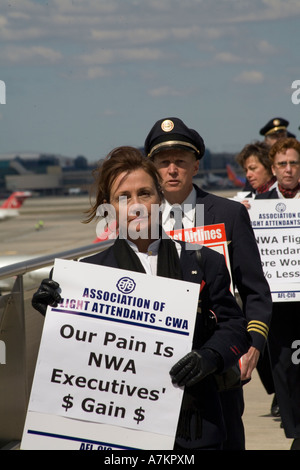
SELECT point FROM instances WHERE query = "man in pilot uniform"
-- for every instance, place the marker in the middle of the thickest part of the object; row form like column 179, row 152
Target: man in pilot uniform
column 176, row 151
column 274, row 130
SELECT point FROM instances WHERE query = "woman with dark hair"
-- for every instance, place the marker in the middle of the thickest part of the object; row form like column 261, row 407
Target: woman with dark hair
column 129, row 186
column 254, row 159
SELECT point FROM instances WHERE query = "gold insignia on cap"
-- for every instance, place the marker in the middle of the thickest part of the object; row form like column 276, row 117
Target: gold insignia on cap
column 276, row 122
column 167, row 125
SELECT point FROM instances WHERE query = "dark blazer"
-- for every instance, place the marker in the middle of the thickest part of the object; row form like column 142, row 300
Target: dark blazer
column 245, row 261
column 273, row 194
column 230, row 339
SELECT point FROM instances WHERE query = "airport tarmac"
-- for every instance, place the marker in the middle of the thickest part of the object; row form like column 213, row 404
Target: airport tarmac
column 47, row 225
column 63, row 230
column 262, row 430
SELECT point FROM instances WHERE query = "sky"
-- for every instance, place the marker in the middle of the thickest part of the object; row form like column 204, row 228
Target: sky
column 84, row 76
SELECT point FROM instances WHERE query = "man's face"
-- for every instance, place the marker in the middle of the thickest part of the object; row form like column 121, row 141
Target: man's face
column 177, row 168
column 272, row 138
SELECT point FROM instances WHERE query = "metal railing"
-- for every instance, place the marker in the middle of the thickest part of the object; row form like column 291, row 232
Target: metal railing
column 20, row 333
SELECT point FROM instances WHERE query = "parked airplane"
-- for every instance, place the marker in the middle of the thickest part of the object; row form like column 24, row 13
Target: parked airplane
column 234, row 178
column 10, row 206
column 212, row 181
column 216, row 181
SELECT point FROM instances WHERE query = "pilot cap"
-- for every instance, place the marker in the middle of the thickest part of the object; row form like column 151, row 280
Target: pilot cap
column 172, row 132
column 276, row 124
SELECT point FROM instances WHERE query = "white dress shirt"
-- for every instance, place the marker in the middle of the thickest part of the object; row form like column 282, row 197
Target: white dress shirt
column 188, row 212
column 149, row 259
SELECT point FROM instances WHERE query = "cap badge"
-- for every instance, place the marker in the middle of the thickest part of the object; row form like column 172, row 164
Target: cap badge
column 167, row 125
column 276, row 122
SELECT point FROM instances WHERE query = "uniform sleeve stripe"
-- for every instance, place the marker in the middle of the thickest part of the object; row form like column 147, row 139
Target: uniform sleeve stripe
column 258, row 331
column 258, row 327
column 258, row 324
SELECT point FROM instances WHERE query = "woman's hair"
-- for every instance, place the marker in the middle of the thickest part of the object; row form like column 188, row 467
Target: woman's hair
column 282, row 145
column 119, row 160
column 258, row 149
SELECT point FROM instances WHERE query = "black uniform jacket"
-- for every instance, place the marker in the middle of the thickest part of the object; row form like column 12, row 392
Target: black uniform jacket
column 245, row 261
column 230, row 339
column 272, row 194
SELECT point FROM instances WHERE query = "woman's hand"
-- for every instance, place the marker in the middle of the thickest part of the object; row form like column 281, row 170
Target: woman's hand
column 46, row 295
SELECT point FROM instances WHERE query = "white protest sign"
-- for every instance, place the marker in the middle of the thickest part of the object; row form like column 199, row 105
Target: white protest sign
column 102, row 373
column 276, row 224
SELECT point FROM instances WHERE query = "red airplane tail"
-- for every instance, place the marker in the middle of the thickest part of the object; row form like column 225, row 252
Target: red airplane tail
column 234, row 178
column 15, row 200
column 110, row 232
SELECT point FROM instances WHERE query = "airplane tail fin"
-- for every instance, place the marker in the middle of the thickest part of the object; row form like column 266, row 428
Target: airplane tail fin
column 108, row 233
column 234, row 178
column 15, row 200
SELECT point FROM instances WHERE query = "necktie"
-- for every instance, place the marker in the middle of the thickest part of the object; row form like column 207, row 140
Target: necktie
column 177, row 214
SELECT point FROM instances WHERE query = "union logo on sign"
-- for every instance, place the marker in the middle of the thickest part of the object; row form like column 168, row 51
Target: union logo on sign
column 280, row 207
column 126, row 285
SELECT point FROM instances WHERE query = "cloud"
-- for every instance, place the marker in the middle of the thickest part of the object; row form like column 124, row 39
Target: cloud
column 250, row 77
column 165, row 91
column 3, row 21
column 107, row 56
column 79, row 7
column 146, row 35
column 264, row 47
column 21, row 34
column 97, row 72
column 117, row 31
column 23, row 54
column 227, row 58
column 237, row 11
column 277, row 9
column 111, row 112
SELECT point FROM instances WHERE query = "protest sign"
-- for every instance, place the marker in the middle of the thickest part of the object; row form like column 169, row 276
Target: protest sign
column 102, row 374
column 276, row 225
column 212, row 236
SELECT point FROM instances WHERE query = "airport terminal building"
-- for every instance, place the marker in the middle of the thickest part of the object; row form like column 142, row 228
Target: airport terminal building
column 45, row 174
column 54, row 174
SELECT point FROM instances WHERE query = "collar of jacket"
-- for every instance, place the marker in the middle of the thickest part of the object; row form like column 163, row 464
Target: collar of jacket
column 208, row 200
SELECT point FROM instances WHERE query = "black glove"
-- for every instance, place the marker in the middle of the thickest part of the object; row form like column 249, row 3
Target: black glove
column 195, row 366
column 46, row 295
